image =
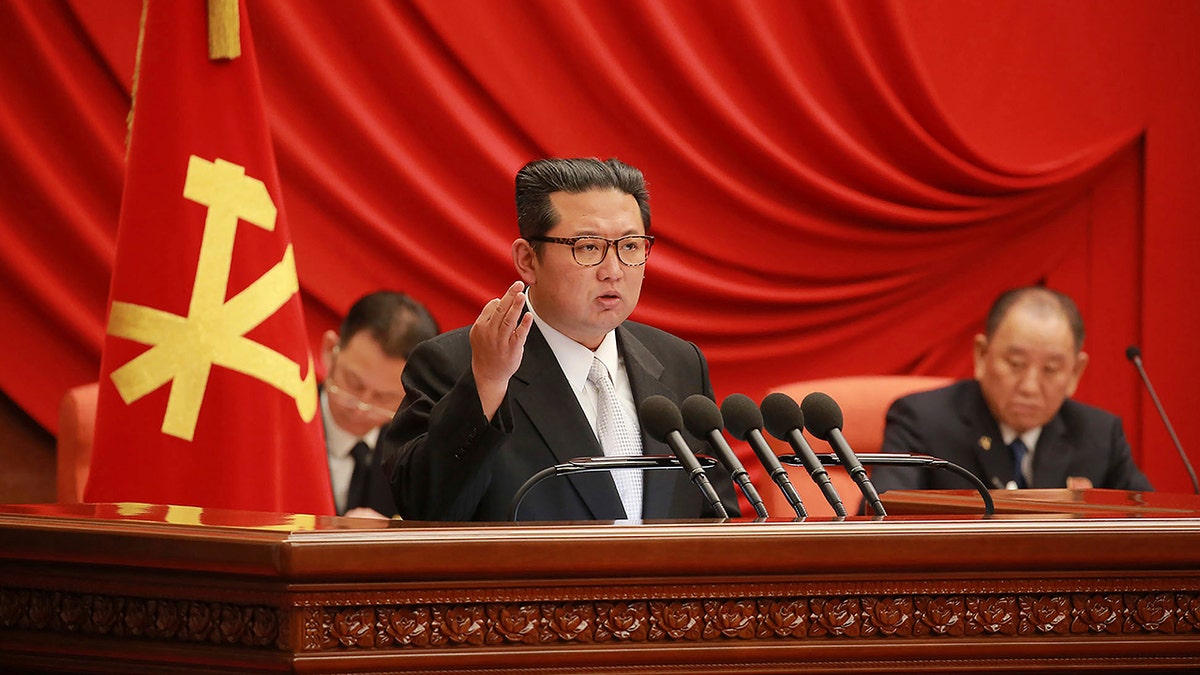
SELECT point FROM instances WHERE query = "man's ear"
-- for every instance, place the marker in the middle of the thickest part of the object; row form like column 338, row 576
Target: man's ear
column 526, row 261
column 980, row 349
column 329, row 340
column 1081, row 361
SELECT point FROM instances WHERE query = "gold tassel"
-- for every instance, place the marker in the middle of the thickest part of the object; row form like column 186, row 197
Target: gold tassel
column 133, row 88
column 224, row 30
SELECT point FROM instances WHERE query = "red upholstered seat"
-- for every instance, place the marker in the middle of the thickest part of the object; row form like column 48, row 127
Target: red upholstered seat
column 864, row 400
column 76, row 426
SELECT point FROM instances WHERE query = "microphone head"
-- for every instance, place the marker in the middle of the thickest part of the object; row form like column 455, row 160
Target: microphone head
column 821, row 414
column 781, row 414
column 660, row 416
column 700, row 415
column 1133, row 353
column 741, row 415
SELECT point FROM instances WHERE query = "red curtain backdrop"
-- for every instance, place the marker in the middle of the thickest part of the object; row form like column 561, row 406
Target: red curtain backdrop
column 839, row 188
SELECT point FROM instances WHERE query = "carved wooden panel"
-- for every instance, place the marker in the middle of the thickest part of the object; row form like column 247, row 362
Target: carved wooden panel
column 156, row 618
column 465, row 625
column 986, row 596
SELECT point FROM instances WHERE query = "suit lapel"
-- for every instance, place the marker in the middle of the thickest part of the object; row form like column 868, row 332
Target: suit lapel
column 986, row 441
column 1052, row 456
column 554, row 411
column 645, row 378
column 643, row 367
column 379, row 490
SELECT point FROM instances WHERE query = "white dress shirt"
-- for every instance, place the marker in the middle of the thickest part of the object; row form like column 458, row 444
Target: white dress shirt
column 338, row 444
column 576, row 360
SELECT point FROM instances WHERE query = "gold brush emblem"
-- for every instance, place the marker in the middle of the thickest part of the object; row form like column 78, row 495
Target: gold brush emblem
column 185, row 348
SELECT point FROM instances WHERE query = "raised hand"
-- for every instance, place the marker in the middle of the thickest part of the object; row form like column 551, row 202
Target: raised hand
column 497, row 345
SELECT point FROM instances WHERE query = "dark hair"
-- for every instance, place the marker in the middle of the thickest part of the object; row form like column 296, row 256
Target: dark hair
column 395, row 320
column 537, row 180
column 1040, row 297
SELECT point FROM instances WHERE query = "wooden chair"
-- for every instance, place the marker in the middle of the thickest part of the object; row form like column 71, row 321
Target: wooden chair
column 864, row 400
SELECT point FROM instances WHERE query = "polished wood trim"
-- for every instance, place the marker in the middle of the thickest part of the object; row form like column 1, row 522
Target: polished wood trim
column 1094, row 502
column 139, row 593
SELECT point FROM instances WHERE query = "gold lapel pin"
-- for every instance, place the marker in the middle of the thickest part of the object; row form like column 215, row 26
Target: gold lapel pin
column 985, row 442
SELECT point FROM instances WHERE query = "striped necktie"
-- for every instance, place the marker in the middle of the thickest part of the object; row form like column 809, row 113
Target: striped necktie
column 1019, row 451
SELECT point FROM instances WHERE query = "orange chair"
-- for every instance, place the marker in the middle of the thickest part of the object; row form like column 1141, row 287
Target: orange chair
column 864, row 401
column 76, row 428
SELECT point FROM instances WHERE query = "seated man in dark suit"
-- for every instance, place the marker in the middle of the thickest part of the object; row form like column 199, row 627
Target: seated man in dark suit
column 361, row 392
column 489, row 405
column 1014, row 425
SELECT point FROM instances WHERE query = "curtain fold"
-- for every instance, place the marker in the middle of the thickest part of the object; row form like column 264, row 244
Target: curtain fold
column 817, row 211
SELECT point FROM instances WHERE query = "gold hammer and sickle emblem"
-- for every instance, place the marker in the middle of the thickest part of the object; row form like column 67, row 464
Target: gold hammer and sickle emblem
column 185, row 348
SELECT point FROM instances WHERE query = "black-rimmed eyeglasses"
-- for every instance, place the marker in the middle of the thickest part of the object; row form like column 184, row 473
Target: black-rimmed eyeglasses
column 589, row 251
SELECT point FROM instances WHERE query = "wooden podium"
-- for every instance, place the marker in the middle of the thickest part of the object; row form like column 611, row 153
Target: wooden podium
column 1094, row 503
column 133, row 588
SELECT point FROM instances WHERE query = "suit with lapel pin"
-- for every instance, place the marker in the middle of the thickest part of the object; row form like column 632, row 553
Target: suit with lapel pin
column 955, row 424
column 452, row 464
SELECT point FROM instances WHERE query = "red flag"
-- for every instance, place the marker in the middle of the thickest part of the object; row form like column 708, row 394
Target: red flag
column 207, row 390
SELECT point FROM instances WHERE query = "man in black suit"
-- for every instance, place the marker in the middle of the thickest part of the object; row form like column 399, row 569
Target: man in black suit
column 361, row 392
column 1014, row 425
column 488, row 406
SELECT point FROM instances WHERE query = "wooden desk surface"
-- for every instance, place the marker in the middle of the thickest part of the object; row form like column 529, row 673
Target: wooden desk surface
column 1093, row 502
column 144, row 588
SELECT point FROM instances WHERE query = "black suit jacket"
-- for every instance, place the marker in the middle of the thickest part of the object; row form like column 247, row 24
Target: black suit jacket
column 379, row 493
column 452, row 464
column 954, row 423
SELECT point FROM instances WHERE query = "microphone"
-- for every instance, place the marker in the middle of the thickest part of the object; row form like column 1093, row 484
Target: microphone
column 661, row 419
column 784, row 420
column 823, row 419
column 703, row 420
column 744, row 422
column 1135, row 355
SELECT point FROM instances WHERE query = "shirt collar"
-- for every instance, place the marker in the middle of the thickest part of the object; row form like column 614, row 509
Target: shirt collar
column 575, row 359
column 338, row 441
column 1029, row 437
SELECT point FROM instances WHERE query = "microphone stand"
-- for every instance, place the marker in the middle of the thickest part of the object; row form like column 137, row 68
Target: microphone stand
column 590, row 464
column 989, row 506
column 1135, row 355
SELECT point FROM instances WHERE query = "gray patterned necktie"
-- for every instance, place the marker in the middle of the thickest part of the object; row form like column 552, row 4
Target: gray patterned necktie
column 618, row 438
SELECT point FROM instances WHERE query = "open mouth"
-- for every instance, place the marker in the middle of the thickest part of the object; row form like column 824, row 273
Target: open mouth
column 609, row 299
